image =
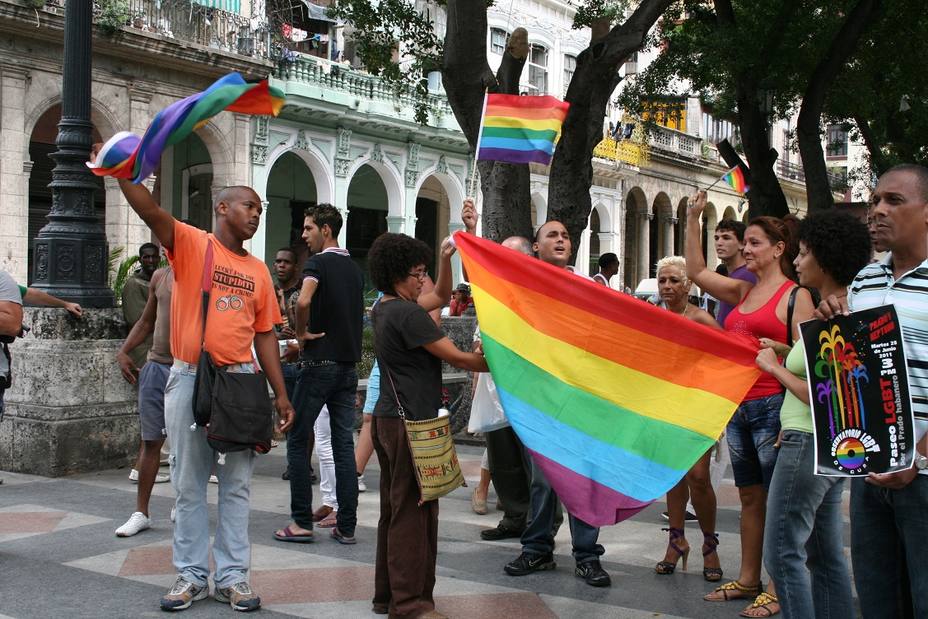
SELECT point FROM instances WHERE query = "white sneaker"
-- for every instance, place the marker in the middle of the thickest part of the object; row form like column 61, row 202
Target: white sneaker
column 173, row 513
column 362, row 487
column 160, row 478
column 136, row 523
column 213, row 479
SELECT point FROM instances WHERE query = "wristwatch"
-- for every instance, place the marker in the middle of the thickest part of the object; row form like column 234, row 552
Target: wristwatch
column 921, row 462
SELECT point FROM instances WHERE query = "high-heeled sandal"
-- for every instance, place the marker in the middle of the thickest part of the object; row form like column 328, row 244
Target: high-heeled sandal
column 711, row 574
column 667, row 567
column 733, row 590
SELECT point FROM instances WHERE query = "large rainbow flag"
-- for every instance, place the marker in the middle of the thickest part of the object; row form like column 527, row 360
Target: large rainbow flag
column 126, row 155
column 615, row 399
column 519, row 129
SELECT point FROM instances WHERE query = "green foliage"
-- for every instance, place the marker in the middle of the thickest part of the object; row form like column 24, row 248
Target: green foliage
column 590, row 11
column 119, row 271
column 367, row 352
column 114, row 14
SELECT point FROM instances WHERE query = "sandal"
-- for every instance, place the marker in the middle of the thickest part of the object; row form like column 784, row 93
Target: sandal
column 329, row 521
column 710, row 540
column 478, row 505
column 668, row 567
column 733, row 590
column 763, row 602
column 288, row 535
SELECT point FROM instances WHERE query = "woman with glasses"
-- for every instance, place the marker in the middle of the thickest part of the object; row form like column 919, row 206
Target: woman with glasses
column 410, row 349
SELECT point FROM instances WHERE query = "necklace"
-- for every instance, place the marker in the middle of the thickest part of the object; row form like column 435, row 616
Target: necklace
column 686, row 306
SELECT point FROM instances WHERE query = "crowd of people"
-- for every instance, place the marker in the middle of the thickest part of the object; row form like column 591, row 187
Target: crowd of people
column 305, row 335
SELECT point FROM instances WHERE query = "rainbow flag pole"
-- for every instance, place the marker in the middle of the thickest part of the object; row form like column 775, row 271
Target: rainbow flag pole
column 734, row 178
column 473, row 174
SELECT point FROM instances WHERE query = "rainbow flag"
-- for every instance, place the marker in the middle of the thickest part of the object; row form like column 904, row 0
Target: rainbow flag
column 615, row 399
column 518, row 129
column 126, row 155
column 735, row 179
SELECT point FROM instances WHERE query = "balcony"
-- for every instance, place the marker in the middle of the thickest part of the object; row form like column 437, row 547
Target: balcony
column 339, row 84
column 676, row 143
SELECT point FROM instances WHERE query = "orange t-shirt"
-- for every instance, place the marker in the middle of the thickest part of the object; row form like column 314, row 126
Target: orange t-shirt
column 242, row 300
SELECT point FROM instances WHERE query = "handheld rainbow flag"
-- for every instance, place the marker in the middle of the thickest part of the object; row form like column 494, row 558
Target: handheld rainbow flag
column 518, row 129
column 126, row 155
column 734, row 178
column 615, row 399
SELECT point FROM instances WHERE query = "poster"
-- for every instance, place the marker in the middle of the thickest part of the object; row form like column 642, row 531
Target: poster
column 859, row 392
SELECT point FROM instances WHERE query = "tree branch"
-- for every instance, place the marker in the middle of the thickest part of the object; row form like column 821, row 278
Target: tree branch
column 808, row 126
column 879, row 163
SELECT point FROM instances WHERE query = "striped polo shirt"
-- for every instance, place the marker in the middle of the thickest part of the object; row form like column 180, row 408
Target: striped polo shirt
column 875, row 286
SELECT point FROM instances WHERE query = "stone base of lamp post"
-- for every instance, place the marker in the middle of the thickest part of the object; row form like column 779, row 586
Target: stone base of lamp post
column 69, row 409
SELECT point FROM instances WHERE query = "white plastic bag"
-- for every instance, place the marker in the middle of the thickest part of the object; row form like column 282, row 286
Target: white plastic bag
column 486, row 412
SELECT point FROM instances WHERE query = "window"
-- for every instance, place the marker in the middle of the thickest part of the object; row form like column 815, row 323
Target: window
column 836, row 145
column 570, row 66
column 538, row 69
column 498, row 40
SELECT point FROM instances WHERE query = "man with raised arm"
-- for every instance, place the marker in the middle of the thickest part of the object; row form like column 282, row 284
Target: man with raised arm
column 242, row 310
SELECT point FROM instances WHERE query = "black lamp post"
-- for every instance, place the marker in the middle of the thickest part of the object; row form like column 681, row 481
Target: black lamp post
column 71, row 252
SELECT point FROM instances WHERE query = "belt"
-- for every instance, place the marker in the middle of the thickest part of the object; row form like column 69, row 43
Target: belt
column 191, row 368
column 314, row 363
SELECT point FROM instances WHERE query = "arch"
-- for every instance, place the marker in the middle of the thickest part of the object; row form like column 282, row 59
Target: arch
column 744, row 217
column 635, row 253
column 220, row 153
column 103, row 118
column 318, row 166
column 605, row 217
column 540, row 208
column 452, row 186
column 289, row 191
column 391, row 178
column 729, row 213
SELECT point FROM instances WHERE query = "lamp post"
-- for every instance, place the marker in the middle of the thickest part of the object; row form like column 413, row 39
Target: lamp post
column 71, row 251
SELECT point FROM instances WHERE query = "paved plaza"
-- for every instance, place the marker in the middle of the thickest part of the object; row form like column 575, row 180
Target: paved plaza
column 59, row 557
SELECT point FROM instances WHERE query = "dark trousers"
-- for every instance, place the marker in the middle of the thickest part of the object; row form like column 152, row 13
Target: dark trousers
column 407, row 533
column 510, row 476
column 335, row 386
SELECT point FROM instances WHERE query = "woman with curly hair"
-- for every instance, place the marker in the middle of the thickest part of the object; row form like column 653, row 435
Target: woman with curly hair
column 760, row 314
column 803, row 540
column 410, row 349
column 673, row 287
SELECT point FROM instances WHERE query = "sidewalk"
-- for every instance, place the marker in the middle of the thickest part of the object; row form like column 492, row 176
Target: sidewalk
column 59, row 557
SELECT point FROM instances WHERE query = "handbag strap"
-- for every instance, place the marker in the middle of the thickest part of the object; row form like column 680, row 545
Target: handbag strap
column 206, row 285
column 399, row 405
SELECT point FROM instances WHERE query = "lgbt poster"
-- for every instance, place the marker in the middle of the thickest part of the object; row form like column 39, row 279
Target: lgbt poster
column 859, row 391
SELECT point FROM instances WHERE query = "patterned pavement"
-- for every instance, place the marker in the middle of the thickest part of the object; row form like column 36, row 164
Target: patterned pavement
column 60, row 557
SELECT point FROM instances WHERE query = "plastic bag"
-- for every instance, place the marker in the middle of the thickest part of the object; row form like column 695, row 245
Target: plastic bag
column 486, row 411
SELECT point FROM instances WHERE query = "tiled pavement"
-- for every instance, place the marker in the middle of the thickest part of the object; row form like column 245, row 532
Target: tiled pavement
column 59, row 557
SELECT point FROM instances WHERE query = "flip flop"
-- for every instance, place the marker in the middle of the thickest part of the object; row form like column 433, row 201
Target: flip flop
column 329, row 521
column 287, row 535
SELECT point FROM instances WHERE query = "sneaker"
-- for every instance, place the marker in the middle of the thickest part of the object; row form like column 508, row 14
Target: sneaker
column 183, row 594
column 362, row 486
column 213, row 479
column 499, row 533
column 239, row 596
column 690, row 516
column 136, row 523
column 173, row 514
column 341, row 538
column 528, row 563
column 593, row 573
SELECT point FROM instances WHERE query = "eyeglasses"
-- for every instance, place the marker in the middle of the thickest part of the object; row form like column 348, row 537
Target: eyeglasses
column 417, row 274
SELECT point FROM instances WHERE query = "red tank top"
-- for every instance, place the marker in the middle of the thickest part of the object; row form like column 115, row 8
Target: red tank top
column 762, row 322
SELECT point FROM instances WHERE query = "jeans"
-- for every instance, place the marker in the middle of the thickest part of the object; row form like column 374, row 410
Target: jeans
column 751, row 434
column 538, row 536
column 889, row 531
column 291, row 372
column 803, row 538
column 334, row 385
column 192, row 460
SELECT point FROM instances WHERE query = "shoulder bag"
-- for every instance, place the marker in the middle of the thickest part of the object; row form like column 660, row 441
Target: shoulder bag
column 235, row 408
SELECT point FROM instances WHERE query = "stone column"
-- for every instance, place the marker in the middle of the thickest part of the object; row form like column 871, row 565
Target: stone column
column 14, row 174
column 644, row 249
column 395, row 223
column 667, row 227
column 582, row 253
column 456, row 269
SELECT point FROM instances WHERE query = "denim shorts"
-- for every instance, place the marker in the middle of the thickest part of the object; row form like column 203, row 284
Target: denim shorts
column 752, row 433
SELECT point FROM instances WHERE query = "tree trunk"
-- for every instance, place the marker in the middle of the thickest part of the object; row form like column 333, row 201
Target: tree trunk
column 808, row 127
column 594, row 80
column 466, row 76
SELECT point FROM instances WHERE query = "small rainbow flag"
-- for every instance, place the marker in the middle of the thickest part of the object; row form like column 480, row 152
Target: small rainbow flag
column 735, row 179
column 126, row 155
column 614, row 398
column 518, row 129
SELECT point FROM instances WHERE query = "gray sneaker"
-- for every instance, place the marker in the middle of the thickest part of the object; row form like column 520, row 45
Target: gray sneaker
column 239, row 596
column 183, row 594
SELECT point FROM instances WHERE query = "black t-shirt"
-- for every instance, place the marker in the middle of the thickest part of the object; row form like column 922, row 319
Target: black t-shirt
column 337, row 308
column 401, row 329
